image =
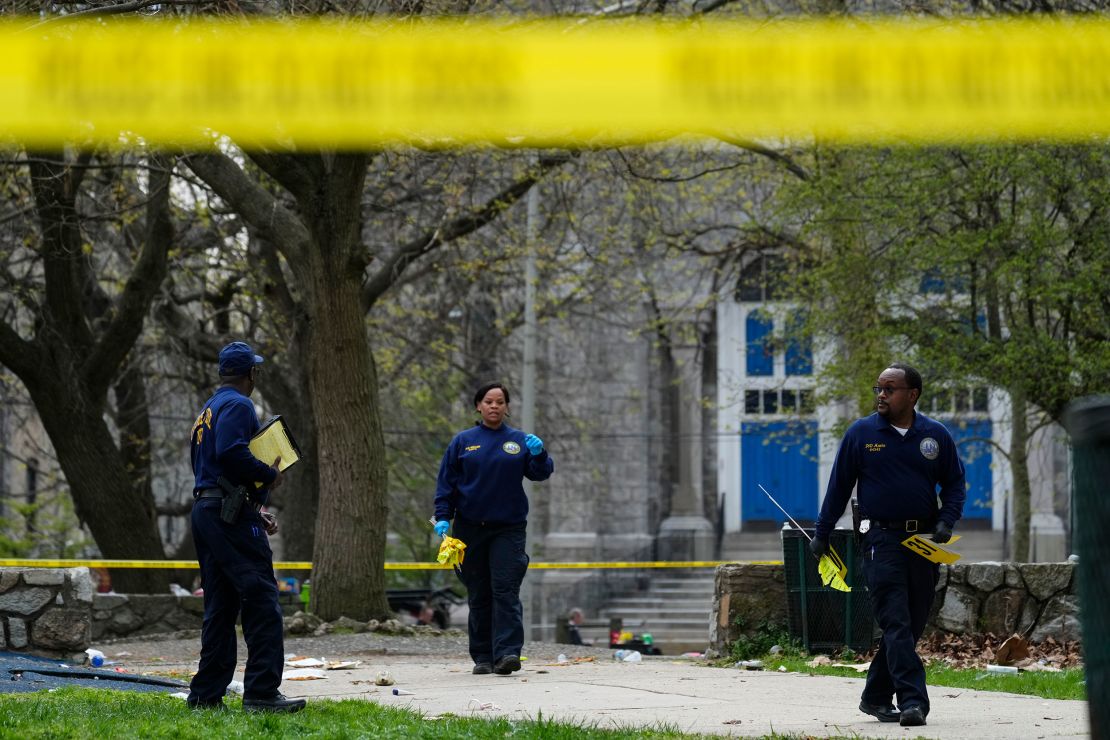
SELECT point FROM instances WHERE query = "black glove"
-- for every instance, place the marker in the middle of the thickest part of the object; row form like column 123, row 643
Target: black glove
column 819, row 547
column 942, row 534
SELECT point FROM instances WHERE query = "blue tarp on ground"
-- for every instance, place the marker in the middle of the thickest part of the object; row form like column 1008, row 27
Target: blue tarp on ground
column 19, row 672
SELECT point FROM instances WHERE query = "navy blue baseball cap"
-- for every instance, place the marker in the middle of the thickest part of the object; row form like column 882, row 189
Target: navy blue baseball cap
column 238, row 358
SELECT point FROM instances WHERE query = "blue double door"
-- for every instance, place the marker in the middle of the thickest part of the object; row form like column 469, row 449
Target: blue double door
column 782, row 457
column 972, row 437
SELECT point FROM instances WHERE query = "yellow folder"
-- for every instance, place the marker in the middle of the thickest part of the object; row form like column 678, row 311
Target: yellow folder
column 274, row 440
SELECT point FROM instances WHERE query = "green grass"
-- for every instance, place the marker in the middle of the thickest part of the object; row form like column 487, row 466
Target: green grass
column 83, row 713
column 1064, row 685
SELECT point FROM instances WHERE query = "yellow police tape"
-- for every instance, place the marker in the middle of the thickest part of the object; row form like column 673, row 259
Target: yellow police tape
column 551, row 82
column 303, row 565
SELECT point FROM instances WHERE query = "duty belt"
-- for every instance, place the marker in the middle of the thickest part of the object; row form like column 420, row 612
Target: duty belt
column 208, row 493
column 903, row 525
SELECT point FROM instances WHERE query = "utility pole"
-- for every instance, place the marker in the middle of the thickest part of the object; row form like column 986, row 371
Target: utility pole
column 528, row 374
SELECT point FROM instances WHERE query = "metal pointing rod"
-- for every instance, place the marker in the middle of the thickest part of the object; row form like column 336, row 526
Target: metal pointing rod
column 776, row 503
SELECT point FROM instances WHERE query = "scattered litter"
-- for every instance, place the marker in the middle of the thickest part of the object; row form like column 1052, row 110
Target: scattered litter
column 750, row 665
column 339, row 665
column 124, row 654
column 478, row 704
column 177, row 590
column 176, row 695
column 820, row 660
column 95, row 658
column 860, row 667
column 562, row 658
column 633, row 656
column 732, row 722
column 775, row 650
column 1040, row 665
column 303, row 674
column 543, row 671
column 1053, row 718
column 402, row 692
column 1015, row 648
column 235, row 687
column 1006, row 670
column 305, row 662
column 385, row 678
column 782, row 669
column 693, row 655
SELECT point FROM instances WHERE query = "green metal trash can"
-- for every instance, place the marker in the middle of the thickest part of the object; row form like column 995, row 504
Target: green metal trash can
column 823, row 619
column 1088, row 423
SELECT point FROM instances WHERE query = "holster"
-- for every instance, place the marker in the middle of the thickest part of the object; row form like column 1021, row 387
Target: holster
column 234, row 498
column 856, row 521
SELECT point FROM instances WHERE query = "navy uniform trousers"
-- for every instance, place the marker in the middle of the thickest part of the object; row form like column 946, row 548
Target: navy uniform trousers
column 902, row 585
column 493, row 567
column 237, row 574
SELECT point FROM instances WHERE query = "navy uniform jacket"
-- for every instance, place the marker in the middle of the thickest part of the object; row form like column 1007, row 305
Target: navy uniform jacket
column 219, row 445
column 897, row 476
column 480, row 477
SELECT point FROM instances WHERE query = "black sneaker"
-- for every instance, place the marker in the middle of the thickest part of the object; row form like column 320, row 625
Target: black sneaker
column 276, row 703
column 882, row 713
column 506, row 664
column 481, row 669
column 195, row 702
column 912, row 717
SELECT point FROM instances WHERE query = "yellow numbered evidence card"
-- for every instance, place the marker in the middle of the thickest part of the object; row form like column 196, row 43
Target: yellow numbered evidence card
column 931, row 550
column 274, row 440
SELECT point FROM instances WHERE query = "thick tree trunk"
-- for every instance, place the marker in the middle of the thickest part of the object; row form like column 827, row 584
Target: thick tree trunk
column 1019, row 467
column 348, row 562
column 121, row 519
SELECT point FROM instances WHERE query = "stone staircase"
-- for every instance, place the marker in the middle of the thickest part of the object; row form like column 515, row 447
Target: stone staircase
column 675, row 609
column 975, row 546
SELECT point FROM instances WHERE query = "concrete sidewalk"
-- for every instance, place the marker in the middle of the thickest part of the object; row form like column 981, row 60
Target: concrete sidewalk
column 689, row 697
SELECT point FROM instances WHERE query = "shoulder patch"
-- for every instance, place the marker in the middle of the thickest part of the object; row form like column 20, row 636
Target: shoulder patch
column 930, row 449
column 511, row 447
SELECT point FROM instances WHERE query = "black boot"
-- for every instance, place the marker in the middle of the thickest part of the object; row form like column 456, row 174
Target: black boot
column 276, row 703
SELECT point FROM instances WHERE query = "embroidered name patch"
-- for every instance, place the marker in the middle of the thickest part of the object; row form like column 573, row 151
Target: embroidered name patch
column 511, row 447
column 874, row 446
column 929, row 448
column 471, row 448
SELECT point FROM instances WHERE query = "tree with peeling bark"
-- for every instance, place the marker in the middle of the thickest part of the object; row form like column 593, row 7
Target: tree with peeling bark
column 334, row 277
column 68, row 334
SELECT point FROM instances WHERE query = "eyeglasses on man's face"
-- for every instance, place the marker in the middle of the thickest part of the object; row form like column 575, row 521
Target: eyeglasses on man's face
column 890, row 390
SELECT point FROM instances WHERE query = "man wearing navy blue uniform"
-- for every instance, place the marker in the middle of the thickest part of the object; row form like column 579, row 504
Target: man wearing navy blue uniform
column 236, row 563
column 896, row 458
column 480, row 487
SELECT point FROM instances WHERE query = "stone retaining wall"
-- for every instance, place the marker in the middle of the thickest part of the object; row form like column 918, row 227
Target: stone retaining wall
column 45, row 611
column 122, row 615
column 1038, row 600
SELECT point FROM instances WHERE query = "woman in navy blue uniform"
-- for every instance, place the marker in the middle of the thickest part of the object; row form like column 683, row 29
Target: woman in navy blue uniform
column 480, row 487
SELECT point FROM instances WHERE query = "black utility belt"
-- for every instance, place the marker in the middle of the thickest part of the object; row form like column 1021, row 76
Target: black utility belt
column 209, row 493
column 899, row 525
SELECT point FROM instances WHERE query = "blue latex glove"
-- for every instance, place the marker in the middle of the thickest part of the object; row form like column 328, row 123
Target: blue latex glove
column 442, row 527
column 534, row 444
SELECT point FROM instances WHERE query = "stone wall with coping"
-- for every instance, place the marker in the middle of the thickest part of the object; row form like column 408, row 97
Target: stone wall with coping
column 115, row 616
column 55, row 612
column 46, row 611
column 1038, row 600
